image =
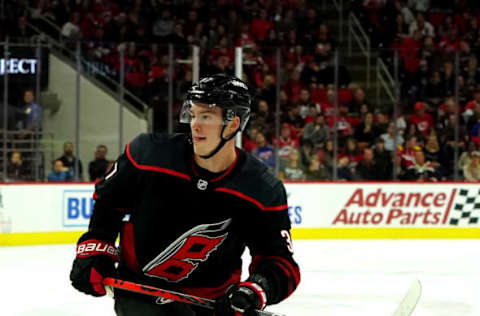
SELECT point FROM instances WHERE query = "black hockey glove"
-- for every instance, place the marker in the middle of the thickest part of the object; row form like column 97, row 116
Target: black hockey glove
column 243, row 298
column 95, row 260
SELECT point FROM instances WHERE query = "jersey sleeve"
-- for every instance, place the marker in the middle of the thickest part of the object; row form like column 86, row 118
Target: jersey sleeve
column 273, row 266
column 114, row 197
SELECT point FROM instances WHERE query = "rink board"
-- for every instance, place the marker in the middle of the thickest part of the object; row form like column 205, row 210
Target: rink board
column 59, row 213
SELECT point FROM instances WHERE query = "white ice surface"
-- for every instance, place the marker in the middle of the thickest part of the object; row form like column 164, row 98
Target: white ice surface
column 347, row 278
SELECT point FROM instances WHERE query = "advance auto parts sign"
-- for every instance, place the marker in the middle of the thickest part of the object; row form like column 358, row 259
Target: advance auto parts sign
column 410, row 207
column 386, row 204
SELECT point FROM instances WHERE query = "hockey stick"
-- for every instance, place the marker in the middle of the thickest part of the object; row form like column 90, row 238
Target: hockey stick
column 410, row 300
column 165, row 295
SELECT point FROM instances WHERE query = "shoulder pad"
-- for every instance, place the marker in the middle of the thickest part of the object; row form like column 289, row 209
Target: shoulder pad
column 159, row 152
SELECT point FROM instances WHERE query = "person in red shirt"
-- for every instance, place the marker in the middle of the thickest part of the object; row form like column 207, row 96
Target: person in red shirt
column 293, row 86
column 421, row 119
column 260, row 26
column 286, row 142
column 407, row 153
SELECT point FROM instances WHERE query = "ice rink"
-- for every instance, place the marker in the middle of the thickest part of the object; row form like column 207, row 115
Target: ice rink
column 348, row 278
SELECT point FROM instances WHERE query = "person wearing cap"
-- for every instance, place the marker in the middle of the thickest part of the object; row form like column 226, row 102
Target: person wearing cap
column 421, row 119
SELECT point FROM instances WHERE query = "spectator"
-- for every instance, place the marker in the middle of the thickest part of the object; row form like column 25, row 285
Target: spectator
column 307, row 24
column 249, row 140
column 366, row 169
column 407, row 154
column 316, row 132
column 294, row 86
column 383, row 160
column 434, row 91
column 421, row 169
column 421, row 25
column 288, row 22
column 292, row 117
column 32, row 113
column 60, row 173
column 344, row 172
column 448, row 126
column 471, row 171
column 71, row 162
column 306, row 104
column 264, row 152
column 419, row 5
column 448, row 78
column 447, row 156
column 357, row 102
column 98, row 166
column 292, row 169
column 163, row 26
column 421, row 119
column 405, row 11
column 71, row 30
column 306, row 153
column 432, row 150
column 316, row 170
column 382, row 122
column 352, row 151
column 327, row 155
column 466, row 156
column 286, row 142
column 263, row 111
column 260, row 26
column 22, row 32
column 16, row 169
column 367, row 131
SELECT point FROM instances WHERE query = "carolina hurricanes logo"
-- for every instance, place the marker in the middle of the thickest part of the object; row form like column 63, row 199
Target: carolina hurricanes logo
column 182, row 256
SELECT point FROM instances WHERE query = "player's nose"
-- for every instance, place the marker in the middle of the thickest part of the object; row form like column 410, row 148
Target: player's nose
column 195, row 125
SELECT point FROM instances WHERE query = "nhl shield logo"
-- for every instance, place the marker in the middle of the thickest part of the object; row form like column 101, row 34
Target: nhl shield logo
column 202, row 184
column 162, row 300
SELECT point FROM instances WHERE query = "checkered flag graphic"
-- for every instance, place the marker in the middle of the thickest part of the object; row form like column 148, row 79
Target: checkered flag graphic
column 466, row 209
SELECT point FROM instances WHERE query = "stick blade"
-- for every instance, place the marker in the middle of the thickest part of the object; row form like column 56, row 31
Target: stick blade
column 409, row 302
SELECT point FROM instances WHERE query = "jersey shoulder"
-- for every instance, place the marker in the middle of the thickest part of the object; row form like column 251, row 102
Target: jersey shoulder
column 158, row 152
column 258, row 184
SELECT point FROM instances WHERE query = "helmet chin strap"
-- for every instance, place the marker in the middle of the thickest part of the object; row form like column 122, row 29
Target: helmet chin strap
column 220, row 144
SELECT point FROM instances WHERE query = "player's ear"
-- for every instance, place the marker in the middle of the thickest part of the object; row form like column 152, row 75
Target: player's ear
column 232, row 126
column 235, row 124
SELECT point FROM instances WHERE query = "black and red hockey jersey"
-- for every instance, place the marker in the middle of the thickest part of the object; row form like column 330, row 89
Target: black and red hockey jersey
column 184, row 228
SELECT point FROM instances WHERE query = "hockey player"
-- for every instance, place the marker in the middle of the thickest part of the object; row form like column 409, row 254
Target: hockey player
column 186, row 206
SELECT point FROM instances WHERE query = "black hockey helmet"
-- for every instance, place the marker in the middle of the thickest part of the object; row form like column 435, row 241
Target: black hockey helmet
column 227, row 92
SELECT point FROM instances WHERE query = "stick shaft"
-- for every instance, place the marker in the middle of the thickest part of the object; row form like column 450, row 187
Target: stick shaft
column 171, row 295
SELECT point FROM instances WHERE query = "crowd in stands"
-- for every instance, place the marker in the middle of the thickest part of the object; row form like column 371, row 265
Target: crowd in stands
column 25, row 120
column 65, row 168
column 418, row 144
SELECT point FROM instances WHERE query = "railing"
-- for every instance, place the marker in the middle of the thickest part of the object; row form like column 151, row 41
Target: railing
column 356, row 32
column 339, row 6
column 91, row 68
column 385, row 81
column 36, row 150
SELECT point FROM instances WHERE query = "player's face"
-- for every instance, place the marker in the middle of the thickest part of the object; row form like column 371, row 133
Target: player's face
column 206, row 124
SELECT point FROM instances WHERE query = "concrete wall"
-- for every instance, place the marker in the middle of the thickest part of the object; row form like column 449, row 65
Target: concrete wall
column 99, row 115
